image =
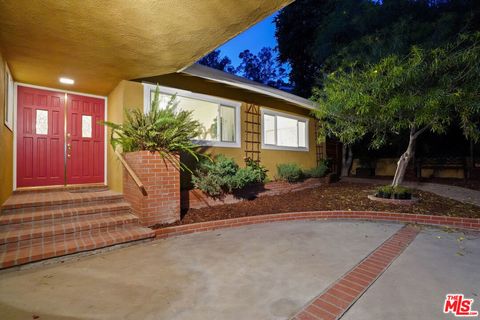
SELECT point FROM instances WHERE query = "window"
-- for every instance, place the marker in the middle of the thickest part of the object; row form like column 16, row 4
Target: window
column 219, row 118
column 9, row 94
column 283, row 131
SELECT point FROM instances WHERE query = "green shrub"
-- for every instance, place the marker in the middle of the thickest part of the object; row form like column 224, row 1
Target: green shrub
column 223, row 175
column 261, row 171
column 317, row 172
column 290, row 172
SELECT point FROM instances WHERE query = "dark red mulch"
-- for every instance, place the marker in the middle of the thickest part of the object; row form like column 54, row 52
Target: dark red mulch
column 337, row 196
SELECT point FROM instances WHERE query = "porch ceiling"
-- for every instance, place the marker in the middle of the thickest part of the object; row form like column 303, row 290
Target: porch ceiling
column 98, row 43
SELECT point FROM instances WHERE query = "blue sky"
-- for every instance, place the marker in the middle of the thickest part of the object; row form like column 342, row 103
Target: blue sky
column 258, row 36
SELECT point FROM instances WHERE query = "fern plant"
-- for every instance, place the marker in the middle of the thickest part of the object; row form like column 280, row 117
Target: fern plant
column 168, row 131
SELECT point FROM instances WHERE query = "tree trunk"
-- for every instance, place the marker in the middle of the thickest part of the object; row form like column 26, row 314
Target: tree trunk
column 347, row 158
column 402, row 163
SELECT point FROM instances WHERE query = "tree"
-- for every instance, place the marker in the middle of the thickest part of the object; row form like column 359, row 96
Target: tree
column 262, row 67
column 319, row 36
column 213, row 60
column 425, row 91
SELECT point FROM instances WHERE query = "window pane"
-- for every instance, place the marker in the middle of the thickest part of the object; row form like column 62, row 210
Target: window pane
column 287, row 132
column 227, row 115
column 86, row 126
column 204, row 112
column 269, row 129
column 41, row 123
column 302, row 141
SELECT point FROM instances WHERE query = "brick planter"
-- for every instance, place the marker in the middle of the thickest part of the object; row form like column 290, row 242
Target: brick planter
column 162, row 183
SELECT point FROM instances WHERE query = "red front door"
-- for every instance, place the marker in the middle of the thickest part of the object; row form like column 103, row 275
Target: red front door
column 85, row 139
column 44, row 156
column 40, row 137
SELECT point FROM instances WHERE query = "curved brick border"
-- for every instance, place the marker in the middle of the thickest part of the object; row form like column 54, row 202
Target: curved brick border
column 457, row 222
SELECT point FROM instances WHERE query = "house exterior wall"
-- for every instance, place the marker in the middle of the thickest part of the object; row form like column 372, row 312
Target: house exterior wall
column 129, row 94
column 126, row 95
column 6, row 143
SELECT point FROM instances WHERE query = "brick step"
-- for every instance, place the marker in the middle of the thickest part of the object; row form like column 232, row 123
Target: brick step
column 13, row 256
column 58, row 200
column 41, row 214
column 70, row 188
column 24, row 232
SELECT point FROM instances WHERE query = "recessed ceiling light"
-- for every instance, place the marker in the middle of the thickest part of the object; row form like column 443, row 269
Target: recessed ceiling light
column 67, row 80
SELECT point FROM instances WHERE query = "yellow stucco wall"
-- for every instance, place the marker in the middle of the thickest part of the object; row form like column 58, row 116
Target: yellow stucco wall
column 126, row 95
column 6, row 143
column 387, row 167
column 270, row 158
column 129, row 94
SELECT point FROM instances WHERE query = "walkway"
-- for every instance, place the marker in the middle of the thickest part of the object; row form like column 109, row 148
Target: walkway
column 453, row 192
column 267, row 271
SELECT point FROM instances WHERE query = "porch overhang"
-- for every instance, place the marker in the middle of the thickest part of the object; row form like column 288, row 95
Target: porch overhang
column 98, row 43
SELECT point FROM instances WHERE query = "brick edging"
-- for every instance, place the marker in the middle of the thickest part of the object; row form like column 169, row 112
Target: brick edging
column 457, row 222
column 334, row 301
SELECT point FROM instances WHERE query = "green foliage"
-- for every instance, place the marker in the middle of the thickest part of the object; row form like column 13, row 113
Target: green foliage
column 290, row 172
column 427, row 90
column 167, row 131
column 317, row 37
column 213, row 60
column 223, row 175
column 398, row 192
column 317, row 172
column 384, row 191
column 260, row 170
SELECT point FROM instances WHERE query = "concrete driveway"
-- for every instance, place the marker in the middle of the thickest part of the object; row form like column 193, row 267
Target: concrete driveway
column 267, row 271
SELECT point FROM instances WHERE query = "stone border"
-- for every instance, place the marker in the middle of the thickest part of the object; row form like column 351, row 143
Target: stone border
column 403, row 202
column 456, row 222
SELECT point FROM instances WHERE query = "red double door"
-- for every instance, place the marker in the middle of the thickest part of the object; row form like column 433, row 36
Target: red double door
column 60, row 139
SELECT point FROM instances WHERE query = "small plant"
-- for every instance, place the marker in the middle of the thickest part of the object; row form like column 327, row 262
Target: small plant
column 223, row 175
column 290, row 172
column 384, row 192
column 402, row 193
column 317, row 172
column 388, row 192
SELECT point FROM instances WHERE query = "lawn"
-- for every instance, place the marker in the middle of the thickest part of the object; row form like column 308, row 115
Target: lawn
column 337, row 196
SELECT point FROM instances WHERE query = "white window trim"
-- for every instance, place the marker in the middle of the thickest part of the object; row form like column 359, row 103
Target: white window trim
column 147, row 88
column 9, row 98
column 270, row 112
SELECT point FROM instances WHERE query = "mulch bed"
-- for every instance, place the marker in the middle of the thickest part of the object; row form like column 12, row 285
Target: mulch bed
column 337, row 196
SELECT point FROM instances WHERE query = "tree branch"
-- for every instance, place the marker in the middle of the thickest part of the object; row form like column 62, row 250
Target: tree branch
column 419, row 132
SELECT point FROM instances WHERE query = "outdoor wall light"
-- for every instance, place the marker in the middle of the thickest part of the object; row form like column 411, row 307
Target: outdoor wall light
column 66, row 80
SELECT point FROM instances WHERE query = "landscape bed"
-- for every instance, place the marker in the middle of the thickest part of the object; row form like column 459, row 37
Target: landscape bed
column 338, row 196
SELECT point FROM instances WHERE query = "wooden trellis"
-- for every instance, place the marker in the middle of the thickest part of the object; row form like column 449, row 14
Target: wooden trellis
column 252, row 132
